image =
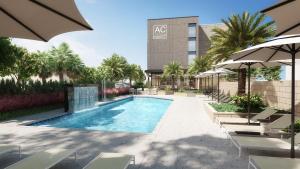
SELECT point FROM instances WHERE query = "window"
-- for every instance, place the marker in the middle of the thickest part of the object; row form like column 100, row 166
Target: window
column 192, row 45
column 192, row 29
column 191, row 58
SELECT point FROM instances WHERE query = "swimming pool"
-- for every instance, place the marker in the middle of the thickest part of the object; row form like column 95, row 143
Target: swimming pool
column 133, row 114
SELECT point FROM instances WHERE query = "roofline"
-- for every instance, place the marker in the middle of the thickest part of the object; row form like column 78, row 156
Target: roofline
column 276, row 6
column 175, row 17
column 210, row 24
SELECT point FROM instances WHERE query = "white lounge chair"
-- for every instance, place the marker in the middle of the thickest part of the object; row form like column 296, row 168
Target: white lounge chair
column 263, row 162
column 44, row 159
column 268, row 112
column 273, row 127
column 110, row 161
column 6, row 148
column 263, row 143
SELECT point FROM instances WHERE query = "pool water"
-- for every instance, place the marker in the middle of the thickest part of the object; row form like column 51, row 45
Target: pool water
column 134, row 114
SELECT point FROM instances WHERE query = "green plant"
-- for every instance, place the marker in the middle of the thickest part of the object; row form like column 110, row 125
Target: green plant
column 200, row 64
column 138, row 85
column 66, row 62
column 113, row 68
column 174, row 71
column 241, row 32
column 226, row 107
column 242, row 101
column 8, row 58
column 134, row 72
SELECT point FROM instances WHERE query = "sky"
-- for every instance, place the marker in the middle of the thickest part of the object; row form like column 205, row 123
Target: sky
column 120, row 26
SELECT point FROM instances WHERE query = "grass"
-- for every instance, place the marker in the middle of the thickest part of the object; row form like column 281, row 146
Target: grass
column 29, row 111
column 229, row 107
column 226, row 107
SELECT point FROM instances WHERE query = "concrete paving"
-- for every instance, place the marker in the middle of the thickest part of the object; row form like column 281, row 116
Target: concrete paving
column 185, row 138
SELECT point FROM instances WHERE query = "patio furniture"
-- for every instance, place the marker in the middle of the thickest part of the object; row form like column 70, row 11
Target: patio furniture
column 6, row 148
column 263, row 143
column 273, row 127
column 225, row 99
column 263, row 162
column 110, row 161
column 44, row 159
column 268, row 112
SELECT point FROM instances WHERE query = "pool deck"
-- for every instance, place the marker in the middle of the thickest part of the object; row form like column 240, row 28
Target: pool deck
column 185, row 138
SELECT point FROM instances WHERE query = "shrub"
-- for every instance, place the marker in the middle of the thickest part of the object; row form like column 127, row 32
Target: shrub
column 138, row 85
column 242, row 101
column 226, row 107
column 11, row 87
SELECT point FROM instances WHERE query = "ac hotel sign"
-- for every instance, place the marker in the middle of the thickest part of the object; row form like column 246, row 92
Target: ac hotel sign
column 160, row 31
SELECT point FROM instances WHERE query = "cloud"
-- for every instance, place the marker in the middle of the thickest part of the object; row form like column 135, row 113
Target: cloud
column 88, row 54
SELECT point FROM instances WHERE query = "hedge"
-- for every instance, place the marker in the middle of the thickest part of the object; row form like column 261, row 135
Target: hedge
column 14, row 102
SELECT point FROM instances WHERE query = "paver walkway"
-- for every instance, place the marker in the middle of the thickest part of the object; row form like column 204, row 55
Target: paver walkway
column 185, row 138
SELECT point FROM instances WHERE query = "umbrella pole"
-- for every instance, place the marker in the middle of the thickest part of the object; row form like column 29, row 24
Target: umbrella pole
column 293, row 103
column 204, row 91
column 249, row 74
column 218, row 87
column 212, row 87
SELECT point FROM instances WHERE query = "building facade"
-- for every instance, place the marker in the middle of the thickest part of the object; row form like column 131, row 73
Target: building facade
column 179, row 39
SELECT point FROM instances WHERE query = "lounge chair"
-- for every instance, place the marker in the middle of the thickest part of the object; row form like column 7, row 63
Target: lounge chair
column 263, row 162
column 44, row 159
column 263, row 143
column 268, row 112
column 110, row 161
column 273, row 127
column 6, row 148
column 225, row 99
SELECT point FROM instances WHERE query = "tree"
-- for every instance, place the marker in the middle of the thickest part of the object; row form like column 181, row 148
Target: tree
column 45, row 65
column 134, row 72
column 269, row 74
column 173, row 70
column 242, row 31
column 26, row 65
column 7, row 55
column 200, row 64
column 114, row 68
column 89, row 76
column 66, row 62
column 75, row 67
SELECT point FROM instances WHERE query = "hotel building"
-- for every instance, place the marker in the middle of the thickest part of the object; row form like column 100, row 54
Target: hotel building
column 178, row 39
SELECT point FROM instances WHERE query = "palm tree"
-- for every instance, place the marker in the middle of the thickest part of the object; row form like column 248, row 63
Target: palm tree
column 134, row 72
column 242, row 31
column 114, row 67
column 173, row 70
column 66, row 62
column 200, row 64
column 45, row 65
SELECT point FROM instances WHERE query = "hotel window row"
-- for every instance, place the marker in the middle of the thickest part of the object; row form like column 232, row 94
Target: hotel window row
column 192, row 42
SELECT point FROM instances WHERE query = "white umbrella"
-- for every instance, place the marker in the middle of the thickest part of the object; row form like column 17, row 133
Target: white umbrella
column 210, row 73
column 202, row 75
column 39, row 19
column 286, row 16
column 240, row 64
column 279, row 48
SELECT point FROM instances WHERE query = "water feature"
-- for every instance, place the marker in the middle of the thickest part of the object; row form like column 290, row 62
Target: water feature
column 82, row 97
column 103, row 90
